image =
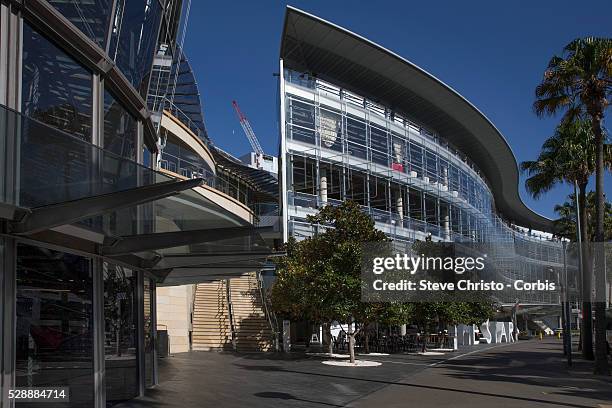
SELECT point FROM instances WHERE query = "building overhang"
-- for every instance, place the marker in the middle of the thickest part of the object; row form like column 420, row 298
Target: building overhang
column 320, row 48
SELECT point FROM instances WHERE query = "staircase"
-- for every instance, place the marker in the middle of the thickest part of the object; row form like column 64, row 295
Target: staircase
column 252, row 328
column 211, row 321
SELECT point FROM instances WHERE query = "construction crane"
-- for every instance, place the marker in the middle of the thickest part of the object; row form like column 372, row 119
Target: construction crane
column 248, row 130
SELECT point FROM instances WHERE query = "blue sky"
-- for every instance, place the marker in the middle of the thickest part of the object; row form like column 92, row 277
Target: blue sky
column 493, row 54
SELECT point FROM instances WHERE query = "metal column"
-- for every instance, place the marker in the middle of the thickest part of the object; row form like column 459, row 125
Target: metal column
column 98, row 340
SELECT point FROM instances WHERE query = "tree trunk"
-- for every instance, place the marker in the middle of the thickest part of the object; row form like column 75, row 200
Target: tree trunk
column 352, row 347
column 366, row 338
column 601, row 357
column 308, row 334
column 351, row 336
column 587, row 274
column 331, row 338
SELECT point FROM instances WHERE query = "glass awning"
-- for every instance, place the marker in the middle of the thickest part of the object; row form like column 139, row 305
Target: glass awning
column 65, row 191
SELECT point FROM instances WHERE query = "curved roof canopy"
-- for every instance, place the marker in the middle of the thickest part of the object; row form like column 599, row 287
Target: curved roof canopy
column 325, row 50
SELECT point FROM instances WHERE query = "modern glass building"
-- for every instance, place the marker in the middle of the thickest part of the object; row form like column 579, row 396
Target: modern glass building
column 362, row 123
column 94, row 218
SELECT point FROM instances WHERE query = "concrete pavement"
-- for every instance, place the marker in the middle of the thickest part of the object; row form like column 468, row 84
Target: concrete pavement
column 528, row 374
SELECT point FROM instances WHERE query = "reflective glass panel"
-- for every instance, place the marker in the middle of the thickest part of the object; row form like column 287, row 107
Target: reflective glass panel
column 356, row 137
column 378, row 140
column 133, row 39
column 120, row 339
column 91, row 17
column 55, row 89
column 54, row 338
column 120, row 128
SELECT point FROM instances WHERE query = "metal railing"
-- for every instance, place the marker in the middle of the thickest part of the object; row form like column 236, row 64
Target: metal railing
column 185, row 119
column 230, row 312
column 190, row 169
column 271, row 317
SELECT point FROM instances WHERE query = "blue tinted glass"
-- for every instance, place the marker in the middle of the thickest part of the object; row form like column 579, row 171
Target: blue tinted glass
column 91, row 17
column 133, row 39
column 55, row 89
column 120, row 128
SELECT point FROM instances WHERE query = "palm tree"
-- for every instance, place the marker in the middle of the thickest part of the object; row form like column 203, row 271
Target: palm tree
column 565, row 225
column 567, row 157
column 580, row 83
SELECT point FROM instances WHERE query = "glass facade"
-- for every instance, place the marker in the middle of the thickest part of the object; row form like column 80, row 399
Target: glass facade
column 79, row 320
column 55, row 88
column 91, row 17
column 120, row 333
column 120, row 128
column 134, row 32
column 54, row 339
column 400, row 172
column 410, row 180
column 55, row 326
column 174, row 88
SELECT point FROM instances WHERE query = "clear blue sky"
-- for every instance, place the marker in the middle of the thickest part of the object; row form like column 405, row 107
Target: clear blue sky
column 493, row 54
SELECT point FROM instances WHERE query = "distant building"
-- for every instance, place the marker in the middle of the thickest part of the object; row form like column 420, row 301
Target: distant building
column 359, row 122
column 266, row 162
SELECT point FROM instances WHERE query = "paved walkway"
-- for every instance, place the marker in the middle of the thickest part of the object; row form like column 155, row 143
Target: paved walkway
column 527, row 374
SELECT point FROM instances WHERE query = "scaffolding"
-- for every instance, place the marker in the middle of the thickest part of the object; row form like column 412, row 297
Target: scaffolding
column 410, row 180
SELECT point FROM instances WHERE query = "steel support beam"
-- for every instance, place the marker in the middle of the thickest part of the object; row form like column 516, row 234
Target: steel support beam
column 98, row 333
column 43, row 218
column 179, row 261
column 150, row 242
column 8, row 294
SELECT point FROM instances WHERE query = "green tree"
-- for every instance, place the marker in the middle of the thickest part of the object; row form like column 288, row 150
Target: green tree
column 569, row 157
column 320, row 278
column 565, row 225
column 579, row 82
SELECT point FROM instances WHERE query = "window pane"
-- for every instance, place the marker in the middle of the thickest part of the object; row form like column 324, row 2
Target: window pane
column 378, row 193
column 356, row 137
column 91, row 17
column 304, row 176
column 134, row 38
column 431, row 166
column 416, row 159
column 55, row 89
column 302, row 114
column 356, row 189
column 54, row 339
column 120, row 344
column 378, row 141
column 333, row 173
column 415, row 207
column 120, row 128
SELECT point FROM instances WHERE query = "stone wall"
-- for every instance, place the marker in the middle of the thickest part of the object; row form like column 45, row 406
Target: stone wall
column 174, row 305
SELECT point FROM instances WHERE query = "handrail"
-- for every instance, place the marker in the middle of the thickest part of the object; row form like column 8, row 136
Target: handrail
column 193, row 301
column 230, row 311
column 269, row 315
column 211, row 179
column 183, row 117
